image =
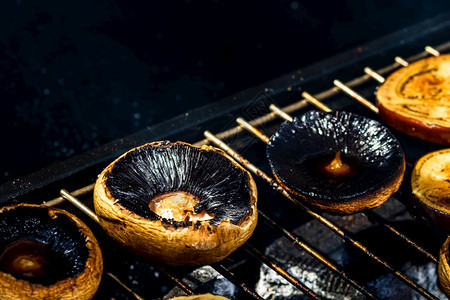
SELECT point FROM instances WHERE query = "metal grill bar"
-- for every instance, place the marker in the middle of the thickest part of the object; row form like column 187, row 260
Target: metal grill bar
column 305, row 247
column 232, row 278
column 274, row 266
column 382, row 221
column 374, row 74
column 124, row 286
column 82, row 191
column 356, row 96
column 308, row 97
column 401, row 61
column 180, row 283
column 432, row 51
column 346, row 236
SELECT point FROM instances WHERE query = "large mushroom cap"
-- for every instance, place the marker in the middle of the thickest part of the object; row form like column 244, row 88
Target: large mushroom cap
column 370, row 165
column 47, row 253
column 416, row 99
column 430, row 186
column 177, row 203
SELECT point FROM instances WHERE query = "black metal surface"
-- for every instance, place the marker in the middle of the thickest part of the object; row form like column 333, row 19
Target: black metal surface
column 188, row 127
column 82, row 169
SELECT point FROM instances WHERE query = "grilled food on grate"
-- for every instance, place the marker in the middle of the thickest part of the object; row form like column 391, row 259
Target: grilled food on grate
column 176, row 203
column 340, row 162
column 416, row 99
column 430, row 185
column 47, row 253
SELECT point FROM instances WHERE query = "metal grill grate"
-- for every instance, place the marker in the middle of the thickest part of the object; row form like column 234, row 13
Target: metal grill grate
column 242, row 268
column 252, row 250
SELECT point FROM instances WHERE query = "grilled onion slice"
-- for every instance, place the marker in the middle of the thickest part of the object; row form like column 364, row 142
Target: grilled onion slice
column 416, row 99
column 430, row 185
column 340, row 162
column 176, row 203
column 47, row 253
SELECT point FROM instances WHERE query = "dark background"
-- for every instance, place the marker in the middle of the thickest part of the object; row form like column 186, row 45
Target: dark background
column 74, row 75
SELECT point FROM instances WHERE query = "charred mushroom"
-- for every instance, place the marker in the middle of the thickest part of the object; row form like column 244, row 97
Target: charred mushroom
column 444, row 267
column 430, row 186
column 177, row 203
column 47, row 253
column 340, row 162
column 416, row 99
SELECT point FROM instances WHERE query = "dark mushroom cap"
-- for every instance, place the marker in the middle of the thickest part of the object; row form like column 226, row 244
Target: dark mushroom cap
column 46, row 253
column 65, row 245
column 159, row 168
column 177, row 203
column 430, row 187
column 298, row 151
column 416, row 99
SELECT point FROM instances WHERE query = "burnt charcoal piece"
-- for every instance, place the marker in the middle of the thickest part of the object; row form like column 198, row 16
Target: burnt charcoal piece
column 340, row 162
column 416, row 99
column 47, row 253
column 430, row 186
column 177, row 203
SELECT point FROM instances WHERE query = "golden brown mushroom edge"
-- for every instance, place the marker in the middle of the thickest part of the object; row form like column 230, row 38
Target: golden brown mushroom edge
column 47, row 253
column 430, row 186
column 444, row 267
column 416, row 99
column 177, row 203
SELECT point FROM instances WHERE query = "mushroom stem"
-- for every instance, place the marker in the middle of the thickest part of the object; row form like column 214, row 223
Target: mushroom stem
column 338, row 168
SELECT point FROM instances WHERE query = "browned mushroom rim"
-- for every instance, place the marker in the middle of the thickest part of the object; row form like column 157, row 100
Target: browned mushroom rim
column 180, row 184
column 39, row 245
column 336, row 157
column 430, row 180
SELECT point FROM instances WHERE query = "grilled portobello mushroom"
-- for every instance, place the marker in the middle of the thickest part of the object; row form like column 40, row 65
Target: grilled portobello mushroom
column 340, row 162
column 177, row 203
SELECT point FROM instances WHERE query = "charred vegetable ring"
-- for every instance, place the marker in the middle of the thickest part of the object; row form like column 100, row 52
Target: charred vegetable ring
column 176, row 203
column 416, row 99
column 340, row 162
column 47, row 253
column 444, row 267
column 430, row 185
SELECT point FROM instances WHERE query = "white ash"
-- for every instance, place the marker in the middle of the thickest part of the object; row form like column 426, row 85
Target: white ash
column 206, row 280
column 272, row 286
